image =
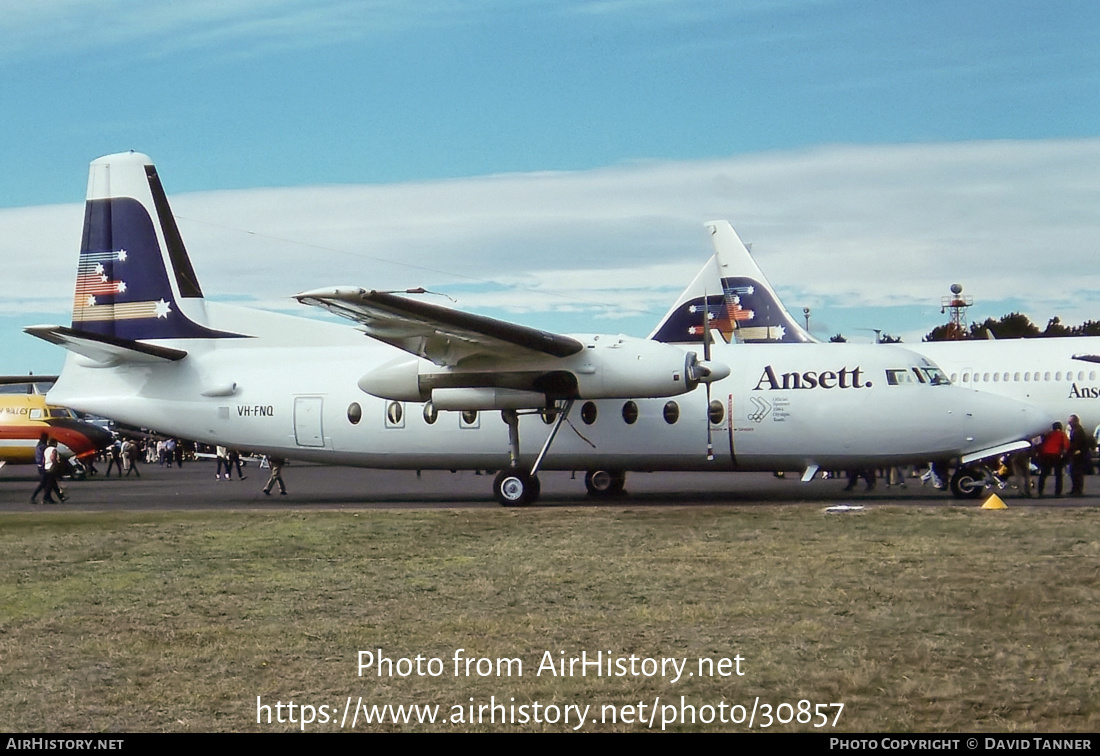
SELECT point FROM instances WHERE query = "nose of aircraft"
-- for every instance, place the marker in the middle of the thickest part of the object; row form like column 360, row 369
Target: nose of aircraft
column 989, row 421
column 81, row 438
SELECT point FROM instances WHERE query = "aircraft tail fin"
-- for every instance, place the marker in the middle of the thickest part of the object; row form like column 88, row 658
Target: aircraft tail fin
column 755, row 312
column 683, row 323
column 740, row 303
column 134, row 278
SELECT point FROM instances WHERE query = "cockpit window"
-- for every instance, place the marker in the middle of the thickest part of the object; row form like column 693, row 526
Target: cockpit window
column 916, row 375
column 936, row 376
column 899, row 377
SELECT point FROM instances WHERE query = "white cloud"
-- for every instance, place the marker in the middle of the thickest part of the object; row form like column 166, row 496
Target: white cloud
column 834, row 228
column 160, row 28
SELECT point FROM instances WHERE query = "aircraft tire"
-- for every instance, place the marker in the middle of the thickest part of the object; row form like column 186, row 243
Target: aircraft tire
column 603, row 484
column 516, row 488
column 967, row 483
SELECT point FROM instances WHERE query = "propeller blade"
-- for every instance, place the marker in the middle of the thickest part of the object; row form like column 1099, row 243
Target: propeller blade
column 706, row 358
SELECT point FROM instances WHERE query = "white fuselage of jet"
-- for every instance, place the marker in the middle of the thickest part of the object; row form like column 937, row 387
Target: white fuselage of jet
column 1046, row 372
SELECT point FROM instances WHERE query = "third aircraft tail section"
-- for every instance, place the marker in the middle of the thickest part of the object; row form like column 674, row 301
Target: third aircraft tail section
column 739, row 302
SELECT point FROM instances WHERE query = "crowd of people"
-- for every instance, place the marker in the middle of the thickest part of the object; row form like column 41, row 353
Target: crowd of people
column 125, row 454
column 1052, row 453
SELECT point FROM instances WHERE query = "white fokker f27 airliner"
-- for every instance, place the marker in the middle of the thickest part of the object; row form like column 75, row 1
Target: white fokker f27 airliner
column 418, row 386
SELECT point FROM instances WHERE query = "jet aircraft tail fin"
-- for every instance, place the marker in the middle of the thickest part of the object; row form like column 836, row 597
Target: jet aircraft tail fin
column 740, row 303
column 754, row 310
column 683, row 323
column 134, row 280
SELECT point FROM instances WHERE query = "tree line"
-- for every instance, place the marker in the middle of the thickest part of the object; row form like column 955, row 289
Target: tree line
column 1014, row 325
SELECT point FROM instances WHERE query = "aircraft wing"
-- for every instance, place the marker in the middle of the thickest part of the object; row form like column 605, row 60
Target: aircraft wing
column 447, row 337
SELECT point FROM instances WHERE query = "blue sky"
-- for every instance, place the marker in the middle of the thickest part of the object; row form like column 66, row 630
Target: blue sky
column 568, row 148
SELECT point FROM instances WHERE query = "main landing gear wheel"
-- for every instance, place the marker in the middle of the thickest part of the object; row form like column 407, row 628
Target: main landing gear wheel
column 516, row 488
column 604, row 483
column 967, row 483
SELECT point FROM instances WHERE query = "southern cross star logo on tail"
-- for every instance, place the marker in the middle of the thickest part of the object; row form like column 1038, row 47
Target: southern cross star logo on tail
column 130, row 278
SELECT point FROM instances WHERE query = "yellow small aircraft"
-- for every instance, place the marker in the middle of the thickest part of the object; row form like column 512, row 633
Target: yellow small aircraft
column 25, row 416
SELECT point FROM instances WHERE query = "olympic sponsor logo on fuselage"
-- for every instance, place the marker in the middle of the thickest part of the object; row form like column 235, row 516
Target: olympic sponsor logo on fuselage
column 844, row 378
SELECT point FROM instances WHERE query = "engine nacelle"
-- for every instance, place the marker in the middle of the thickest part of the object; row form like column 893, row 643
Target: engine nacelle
column 609, row 367
column 398, row 380
column 621, row 367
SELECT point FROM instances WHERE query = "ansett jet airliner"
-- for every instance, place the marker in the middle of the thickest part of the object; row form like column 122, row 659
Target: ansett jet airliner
column 1059, row 375
column 413, row 385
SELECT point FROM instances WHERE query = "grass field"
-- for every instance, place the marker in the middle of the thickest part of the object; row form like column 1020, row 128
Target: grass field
column 916, row 619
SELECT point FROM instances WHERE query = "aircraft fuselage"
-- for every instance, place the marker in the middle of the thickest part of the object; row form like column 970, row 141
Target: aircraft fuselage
column 292, row 390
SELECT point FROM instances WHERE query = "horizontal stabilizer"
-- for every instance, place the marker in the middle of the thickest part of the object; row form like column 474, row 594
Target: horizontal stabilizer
column 15, row 380
column 106, row 350
column 440, row 334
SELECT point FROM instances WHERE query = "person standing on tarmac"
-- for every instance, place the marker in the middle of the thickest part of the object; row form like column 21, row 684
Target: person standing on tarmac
column 40, row 463
column 114, row 458
column 52, row 463
column 1051, row 455
column 234, row 463
column 1081, row 444
column 276, row 464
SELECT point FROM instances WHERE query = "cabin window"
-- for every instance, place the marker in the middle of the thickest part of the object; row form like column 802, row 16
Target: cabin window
column 955, row 377
column 1058, row 376
column 589, row 412
column 672, row 412
column 1016, row 377
column 630, row 413
column 431, row 414
column 355, row 413
column 395, row 415
column 985, row 377
column 1092, row 375
column 966, row 377
column 996, row 376
column 716, row 412
column 1046, row 376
